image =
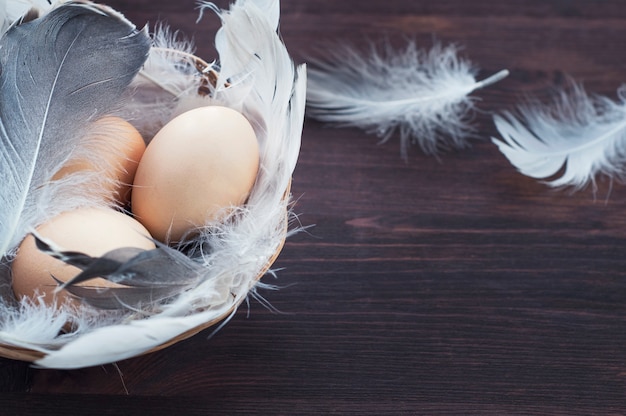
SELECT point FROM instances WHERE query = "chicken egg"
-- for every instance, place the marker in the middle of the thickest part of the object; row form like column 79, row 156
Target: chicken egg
column 120, row 147
column 195, row 168
column 92, row 231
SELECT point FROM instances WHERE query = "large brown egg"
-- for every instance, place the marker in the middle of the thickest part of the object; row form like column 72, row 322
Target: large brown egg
column 92, row 231
column 195, row 168
column 119, row 146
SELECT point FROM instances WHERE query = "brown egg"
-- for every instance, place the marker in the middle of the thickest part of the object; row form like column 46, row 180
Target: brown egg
column 196, row 167
column 121, row 146
column 92, row 231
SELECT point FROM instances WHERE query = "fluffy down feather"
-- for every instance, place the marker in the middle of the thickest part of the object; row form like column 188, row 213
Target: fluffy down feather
column 13, row 10
column 423, row 95
column 572, row 140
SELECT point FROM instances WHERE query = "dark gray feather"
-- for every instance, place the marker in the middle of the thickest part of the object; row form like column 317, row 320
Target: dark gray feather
column 149, row 275
column 126, row 297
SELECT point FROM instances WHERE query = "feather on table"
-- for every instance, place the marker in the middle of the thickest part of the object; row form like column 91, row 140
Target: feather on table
column 422, row 95
column 572, row 140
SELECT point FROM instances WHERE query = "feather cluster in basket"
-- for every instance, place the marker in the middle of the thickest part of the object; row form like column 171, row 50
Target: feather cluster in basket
column 66, row 67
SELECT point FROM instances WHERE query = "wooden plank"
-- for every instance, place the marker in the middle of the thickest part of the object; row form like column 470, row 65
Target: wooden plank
column 450, row 285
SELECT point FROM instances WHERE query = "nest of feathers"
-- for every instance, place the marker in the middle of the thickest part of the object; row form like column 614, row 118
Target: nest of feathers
column 108, row 67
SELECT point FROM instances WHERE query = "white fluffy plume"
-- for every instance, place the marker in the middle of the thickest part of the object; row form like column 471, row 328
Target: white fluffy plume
column 571, row 141
column 12, row 10
column 424, row 95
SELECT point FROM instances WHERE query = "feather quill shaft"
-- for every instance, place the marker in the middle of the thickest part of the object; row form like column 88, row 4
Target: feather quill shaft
column 571, row 140
column 59, row 73
column 423, row 95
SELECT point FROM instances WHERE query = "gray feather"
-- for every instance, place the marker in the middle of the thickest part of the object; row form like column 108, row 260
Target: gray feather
column 58, row 73
column 149, row 275
column 117, row 298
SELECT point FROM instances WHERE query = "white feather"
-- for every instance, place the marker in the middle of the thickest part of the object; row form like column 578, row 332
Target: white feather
column 167, row 84
column 112, row 343
column 424, row 95
column 13, row 10
column 34, row 324
column 576, row 138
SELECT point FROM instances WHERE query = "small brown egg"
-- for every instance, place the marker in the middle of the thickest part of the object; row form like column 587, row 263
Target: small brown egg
column 121, row 146
column 93, row 231
column 196, row 167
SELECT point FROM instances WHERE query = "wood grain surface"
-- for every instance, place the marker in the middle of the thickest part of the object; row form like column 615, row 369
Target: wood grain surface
column 449, row 285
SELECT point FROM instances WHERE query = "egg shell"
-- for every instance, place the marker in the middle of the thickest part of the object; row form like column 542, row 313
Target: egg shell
column 196, row 167
column 93, row 231
column 118, row 147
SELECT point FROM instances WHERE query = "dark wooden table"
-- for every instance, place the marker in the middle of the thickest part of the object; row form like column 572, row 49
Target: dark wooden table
column 450, row 285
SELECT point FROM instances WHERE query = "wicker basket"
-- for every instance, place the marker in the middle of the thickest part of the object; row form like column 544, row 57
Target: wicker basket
column 293, row 104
